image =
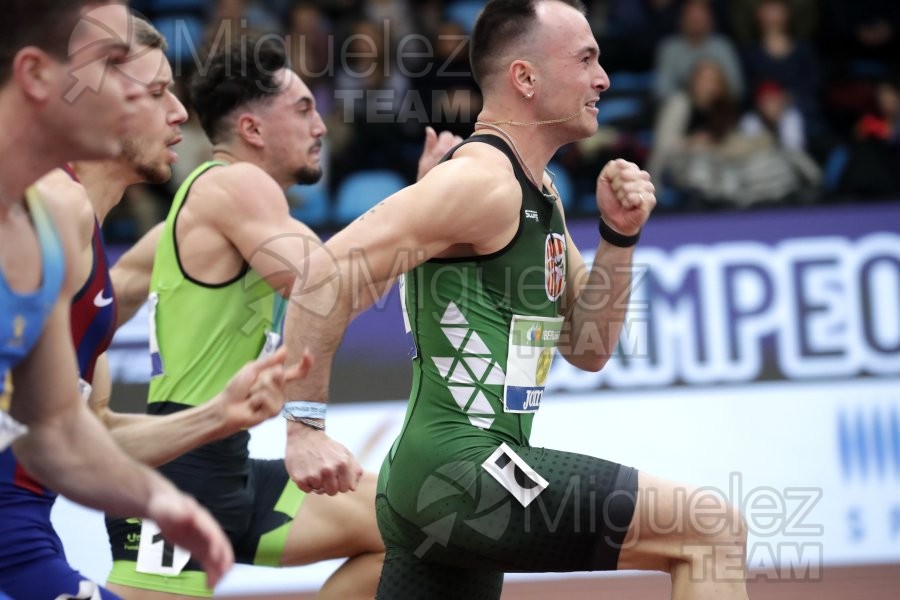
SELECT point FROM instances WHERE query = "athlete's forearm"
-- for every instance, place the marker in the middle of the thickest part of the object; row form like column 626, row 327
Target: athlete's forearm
column 72, row 454
column 317, row 315
column 151, row 439
column 155, row 440
column 594, row 321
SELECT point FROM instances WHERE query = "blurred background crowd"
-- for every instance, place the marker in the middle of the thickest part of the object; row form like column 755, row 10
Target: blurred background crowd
column 730, row 104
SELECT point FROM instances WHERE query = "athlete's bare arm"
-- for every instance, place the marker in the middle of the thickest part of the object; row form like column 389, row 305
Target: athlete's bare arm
column 464, row 207
column 242, row 206
column 62, row 193
column 131, row 275
column 596, row 300
column 254, row 394
column 68, row 449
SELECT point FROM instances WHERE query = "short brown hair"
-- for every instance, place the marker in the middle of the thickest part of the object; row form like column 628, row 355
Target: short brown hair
column 145, row 34
column 45, row 24
column 500, row 24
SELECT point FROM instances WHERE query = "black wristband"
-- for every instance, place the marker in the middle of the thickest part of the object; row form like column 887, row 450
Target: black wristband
column 615, row 238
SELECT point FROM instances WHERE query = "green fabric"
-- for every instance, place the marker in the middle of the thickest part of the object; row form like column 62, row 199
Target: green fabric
column 272, row 543
column 186, row 583
column 460, row 313
column 205, row 333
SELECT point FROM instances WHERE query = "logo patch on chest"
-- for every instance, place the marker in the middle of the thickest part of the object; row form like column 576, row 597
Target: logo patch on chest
column 555, row 266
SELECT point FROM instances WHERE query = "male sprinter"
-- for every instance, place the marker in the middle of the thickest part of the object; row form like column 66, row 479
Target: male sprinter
column 47, row 119
column 494, row 286
column 215, row 269
column 34, row 564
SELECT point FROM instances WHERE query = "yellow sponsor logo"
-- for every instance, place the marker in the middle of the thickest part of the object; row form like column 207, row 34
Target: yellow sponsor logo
column 543, row 366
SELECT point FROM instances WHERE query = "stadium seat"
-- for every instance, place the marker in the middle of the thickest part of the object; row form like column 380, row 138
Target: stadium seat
column 617, row 109
column 640, row 82
column 310, row 204
column 834, row 168
column 563, row 183
column 184, row 33
column 464, row 13
column 363, row 190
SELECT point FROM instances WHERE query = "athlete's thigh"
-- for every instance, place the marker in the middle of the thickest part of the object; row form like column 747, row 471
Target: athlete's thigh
column 334, row 526
column 667, row 527
column 505, row 521
column 406, row 577
column 53, row 579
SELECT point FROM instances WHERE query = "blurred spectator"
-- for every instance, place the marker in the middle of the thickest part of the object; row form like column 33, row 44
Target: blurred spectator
column 631, row 30
column 706, row 112
column 873, row 165
column 889, row 107
column 311, row 49
column 773, row 112
column 861, row 43
column 677, row 55
column 394, row 15
column 707, row 162
column 864, row 35
column 776, row 55
column 804, row 20
column 372, row 104
column 448, row 93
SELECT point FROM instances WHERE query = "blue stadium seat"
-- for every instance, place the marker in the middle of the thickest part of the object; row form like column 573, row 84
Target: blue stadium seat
column 184, row 34
column 632, row 81
column 169, row 6
column 464, row 13
column 363, row 190
column 312, row 204
column 834, row 168
column 563, row 183
column 616, row 109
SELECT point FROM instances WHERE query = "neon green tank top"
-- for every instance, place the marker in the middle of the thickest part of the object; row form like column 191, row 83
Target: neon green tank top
column 201, row 334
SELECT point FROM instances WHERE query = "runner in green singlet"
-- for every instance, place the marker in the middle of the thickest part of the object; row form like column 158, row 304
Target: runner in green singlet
column 494, row 285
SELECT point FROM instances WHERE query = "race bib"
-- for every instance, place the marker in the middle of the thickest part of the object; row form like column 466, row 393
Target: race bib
column 157, row 556
column 10, row 429
column 514, row 474
column 532, row 344
column 156, row 363
column 273, row 341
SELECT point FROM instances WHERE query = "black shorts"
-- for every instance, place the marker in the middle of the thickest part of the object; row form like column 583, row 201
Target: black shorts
column 253, row 500
column 469, row 529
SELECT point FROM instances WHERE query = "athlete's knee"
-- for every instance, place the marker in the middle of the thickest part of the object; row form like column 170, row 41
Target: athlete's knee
column 715, row 527
column 712, row 518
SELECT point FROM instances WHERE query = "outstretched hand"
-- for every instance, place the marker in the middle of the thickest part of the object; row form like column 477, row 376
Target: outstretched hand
column 436, row 146
column 257, row 392
column 625, row 196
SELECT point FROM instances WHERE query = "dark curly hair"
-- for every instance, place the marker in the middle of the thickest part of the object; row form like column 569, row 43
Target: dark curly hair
column 245, row 72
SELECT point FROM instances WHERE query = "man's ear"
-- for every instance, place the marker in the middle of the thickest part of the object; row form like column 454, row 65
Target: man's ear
column 249, row 128
column 35, row 72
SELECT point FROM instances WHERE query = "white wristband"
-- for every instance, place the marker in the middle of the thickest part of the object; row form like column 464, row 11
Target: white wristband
column 301, row 409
